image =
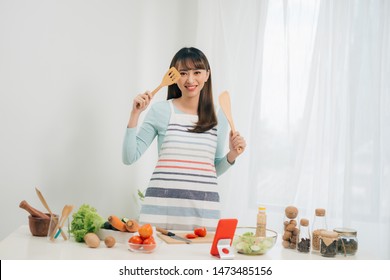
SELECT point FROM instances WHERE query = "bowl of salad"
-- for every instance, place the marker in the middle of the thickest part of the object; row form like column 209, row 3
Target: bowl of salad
column 246, row 242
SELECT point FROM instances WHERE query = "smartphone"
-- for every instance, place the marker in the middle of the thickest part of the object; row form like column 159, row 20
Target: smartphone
column 225, row 230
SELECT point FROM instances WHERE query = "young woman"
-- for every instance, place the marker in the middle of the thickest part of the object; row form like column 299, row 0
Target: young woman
column 183, row 191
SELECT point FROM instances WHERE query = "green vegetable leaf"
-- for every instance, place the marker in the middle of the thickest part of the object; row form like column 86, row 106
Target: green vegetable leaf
column 141, row 195
column 85, row 220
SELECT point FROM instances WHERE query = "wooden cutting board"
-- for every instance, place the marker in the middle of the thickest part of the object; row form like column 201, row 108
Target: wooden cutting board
column 207, row 239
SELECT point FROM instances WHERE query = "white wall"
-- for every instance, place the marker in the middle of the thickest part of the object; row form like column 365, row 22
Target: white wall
column 68, row 73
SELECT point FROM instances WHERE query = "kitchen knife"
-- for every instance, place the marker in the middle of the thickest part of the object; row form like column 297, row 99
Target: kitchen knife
column 172, row 235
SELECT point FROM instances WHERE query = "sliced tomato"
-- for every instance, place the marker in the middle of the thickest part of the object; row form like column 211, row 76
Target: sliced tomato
column 201, row 232
column 191, row 235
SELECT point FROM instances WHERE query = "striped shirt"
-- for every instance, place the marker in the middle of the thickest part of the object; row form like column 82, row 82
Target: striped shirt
column 155, row 125
column 183, row 190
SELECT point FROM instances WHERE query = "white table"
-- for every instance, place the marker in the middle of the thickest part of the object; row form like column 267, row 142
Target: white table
column 21, row 245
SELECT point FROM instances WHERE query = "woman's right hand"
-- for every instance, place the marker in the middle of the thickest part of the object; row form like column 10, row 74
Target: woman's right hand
column 141, row 102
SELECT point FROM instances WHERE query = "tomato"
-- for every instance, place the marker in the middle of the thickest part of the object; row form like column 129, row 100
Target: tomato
column 135, row 242
column 145, row 231
column 136, row 239
column 191, row 236
column 151, row 237
column 201, row 232
column 149, row 244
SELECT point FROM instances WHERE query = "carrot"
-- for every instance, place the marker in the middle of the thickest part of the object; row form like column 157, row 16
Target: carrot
column 117, row 223
column 132, row 226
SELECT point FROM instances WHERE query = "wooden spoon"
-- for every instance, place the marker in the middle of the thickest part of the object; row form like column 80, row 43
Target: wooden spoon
column 53, row 217
column 224, row 102
column 57, row 226
column 65, row 213
column 65, row 217
column 170, row 77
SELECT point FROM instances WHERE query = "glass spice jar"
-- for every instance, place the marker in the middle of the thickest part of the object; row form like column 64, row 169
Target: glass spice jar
column 319, row 224
column 289, row 238
column 347, row 243
column 303, row 244
column 328, row 243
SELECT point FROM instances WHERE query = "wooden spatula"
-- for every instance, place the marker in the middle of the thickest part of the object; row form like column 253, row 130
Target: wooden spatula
column 53, row 217
column 224, row 102
column 171, row 77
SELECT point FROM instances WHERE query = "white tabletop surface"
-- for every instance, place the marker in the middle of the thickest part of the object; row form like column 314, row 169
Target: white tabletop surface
column 21, row 245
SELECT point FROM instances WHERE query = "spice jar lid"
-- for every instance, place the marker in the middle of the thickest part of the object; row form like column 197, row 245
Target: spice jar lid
column 320, row 212
column 329, row 234
column 304, row 222
column 346, row 231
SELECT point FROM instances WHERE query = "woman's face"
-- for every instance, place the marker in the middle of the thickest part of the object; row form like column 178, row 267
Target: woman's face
column 191, row 80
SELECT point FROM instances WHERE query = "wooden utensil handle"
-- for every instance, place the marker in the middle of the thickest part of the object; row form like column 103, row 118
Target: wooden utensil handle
column 56, row 230
column 58, row 225
column 69, row 209
column 153, row 93
column 34, row 212
column 163, row 231
column 53, row 217
column 239, row 149
column 42, row 199
column 55, row 221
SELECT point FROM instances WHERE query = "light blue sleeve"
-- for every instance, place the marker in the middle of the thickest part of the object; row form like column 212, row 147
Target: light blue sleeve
column 220, row 162
column 155, row 124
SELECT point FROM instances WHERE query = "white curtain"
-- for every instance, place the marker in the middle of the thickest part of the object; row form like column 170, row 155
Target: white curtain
column 310, row 91
column 234, row 44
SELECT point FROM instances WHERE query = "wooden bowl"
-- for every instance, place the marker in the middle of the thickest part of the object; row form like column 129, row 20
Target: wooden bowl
column 39, row 226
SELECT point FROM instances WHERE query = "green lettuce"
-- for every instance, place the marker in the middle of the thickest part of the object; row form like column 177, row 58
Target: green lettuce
column 249, row 244
column 85, row 220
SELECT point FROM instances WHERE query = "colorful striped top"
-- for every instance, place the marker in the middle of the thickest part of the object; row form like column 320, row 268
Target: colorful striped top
column 156, row 123
column 183, row 192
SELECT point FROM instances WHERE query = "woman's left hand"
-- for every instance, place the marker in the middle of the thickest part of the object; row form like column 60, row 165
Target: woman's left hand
column 237, row 146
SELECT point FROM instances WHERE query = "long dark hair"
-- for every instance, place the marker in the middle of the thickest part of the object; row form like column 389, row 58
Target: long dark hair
column 192, row 57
